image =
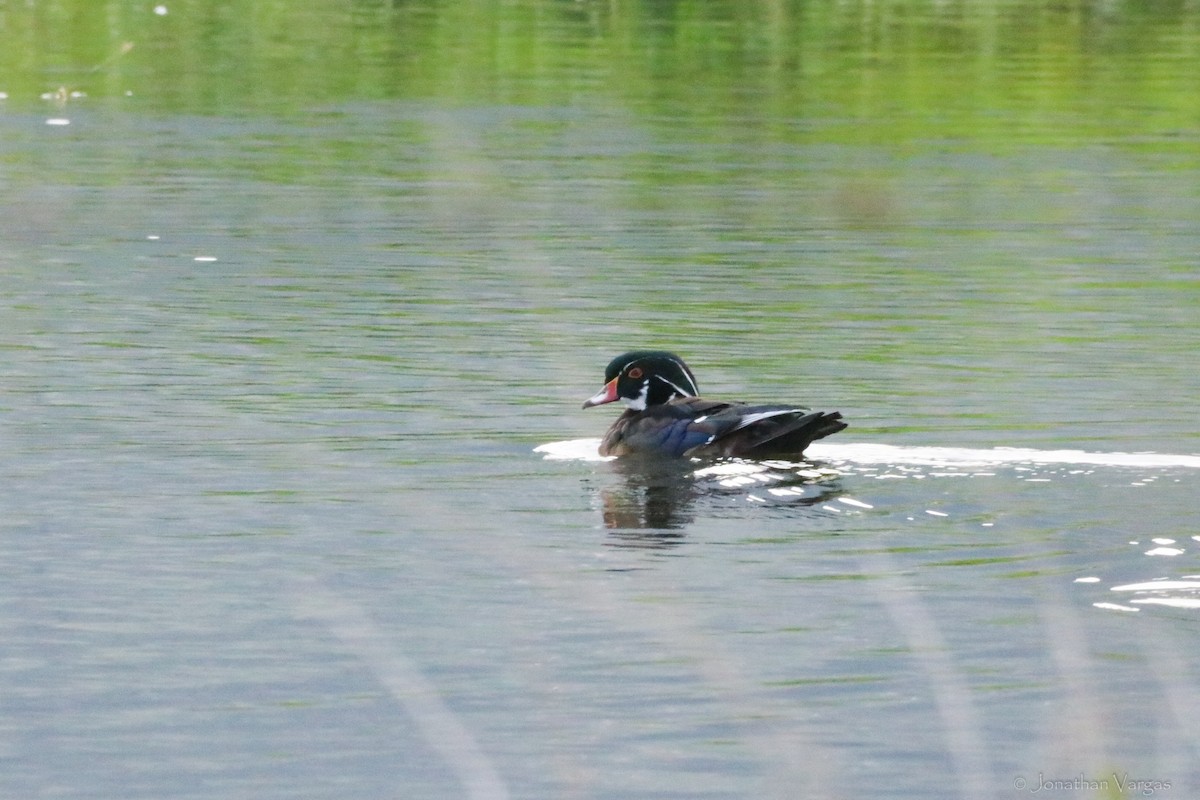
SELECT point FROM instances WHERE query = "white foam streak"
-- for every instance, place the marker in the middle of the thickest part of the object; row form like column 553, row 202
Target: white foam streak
column 864, row 453
column 1158, row 586
column 1171, row 593
column 572, row 450
column 1173, row 602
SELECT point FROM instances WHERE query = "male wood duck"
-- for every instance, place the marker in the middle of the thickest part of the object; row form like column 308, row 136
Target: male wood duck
column 665, row 415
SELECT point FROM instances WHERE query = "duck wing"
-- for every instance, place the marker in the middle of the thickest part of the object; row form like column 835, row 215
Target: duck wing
column 772, row 431
column 669, row 429
column 694, row 427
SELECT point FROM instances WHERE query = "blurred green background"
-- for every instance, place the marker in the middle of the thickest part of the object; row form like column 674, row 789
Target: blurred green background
column 991, row 72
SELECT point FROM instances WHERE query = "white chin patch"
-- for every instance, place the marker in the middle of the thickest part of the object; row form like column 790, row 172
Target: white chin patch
column 638, row 403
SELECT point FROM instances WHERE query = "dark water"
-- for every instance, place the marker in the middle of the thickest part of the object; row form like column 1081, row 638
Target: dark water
column 273, row 523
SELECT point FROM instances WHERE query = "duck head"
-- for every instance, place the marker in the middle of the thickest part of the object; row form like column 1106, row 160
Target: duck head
column 644, row 378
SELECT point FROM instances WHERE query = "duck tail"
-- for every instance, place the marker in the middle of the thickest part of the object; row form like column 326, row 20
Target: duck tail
column 792, row 434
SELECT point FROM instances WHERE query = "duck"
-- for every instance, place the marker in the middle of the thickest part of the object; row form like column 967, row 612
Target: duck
column 665, row 416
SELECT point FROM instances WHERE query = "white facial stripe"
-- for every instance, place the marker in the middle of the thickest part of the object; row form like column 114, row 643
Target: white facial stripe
column 677, row 388
column 694, row 390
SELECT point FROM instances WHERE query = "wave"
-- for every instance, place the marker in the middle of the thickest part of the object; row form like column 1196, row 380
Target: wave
column 863, row 453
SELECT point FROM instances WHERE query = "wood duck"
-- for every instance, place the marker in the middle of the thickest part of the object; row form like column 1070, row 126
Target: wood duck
column 665, row 415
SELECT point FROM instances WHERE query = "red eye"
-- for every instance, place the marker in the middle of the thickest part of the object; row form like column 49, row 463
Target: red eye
column 635, row 373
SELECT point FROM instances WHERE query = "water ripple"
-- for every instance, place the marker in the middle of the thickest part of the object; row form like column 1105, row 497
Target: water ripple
column 865, row 453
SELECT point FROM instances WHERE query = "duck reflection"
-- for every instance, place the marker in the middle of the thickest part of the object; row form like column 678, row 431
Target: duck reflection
column 654, row 500
column 657, row 498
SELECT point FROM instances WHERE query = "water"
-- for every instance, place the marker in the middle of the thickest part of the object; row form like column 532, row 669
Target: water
column 299, row 499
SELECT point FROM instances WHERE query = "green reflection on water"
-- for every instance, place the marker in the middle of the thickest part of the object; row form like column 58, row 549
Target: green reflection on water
column 847, row 72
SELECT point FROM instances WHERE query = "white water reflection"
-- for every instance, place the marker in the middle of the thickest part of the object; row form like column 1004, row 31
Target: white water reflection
column 1178, row 593
column 572, row 450
column 862, row 453
column 953, row 457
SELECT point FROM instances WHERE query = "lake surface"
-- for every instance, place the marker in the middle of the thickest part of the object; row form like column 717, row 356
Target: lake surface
column 299, row 500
